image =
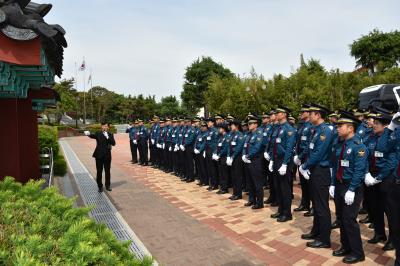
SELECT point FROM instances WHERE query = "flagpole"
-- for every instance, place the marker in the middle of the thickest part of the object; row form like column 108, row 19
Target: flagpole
column 91, row 91
column 84, row 94
column 77, row 93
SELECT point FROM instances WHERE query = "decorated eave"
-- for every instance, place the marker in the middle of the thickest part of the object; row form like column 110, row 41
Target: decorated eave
column 31, row 53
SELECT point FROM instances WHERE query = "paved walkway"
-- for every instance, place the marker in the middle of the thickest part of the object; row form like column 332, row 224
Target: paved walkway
column 182, row 224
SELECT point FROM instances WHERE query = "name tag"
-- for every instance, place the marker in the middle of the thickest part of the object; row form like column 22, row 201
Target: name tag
column 311, row 146
column 378, row 154
column 186, row 135
column 303, row 137
column 180, row 135
column 200, row 139
column 265, row 134
column 245, row 145
column 208, row 138
column 344, row 163
column 141, row 133
column 173, row 136
column 154, row 130
column 278, row 140
column 233, row 143
column 219, row 144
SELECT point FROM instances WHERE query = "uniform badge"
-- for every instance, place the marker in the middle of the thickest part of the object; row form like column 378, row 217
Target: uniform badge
column 290, row 133
column 322, row 137
column 259, row 139
column 348, row 151
column 361, row 153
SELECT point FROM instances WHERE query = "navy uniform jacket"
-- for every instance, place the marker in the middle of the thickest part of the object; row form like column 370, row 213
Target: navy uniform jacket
column 200, row 143
column 175, row 134
column 143, row 133
column 211, row 139
column 354, row 162
column 271, row 138
column 319, row 149
column 253, row 145
column 382, row 154
column 236, row 143
column 284, row 140
column 303, row 140
column 154, row 132
column 222, row 145
column 132, row 133
column 189, row 137
column 363, row 131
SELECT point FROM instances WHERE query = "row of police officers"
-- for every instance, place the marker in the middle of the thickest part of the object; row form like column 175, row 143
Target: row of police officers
column 353, row 158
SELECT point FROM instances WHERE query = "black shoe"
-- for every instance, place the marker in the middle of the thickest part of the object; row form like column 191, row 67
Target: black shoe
column 200, row 184
column 376, row 239
column 248, row 204
column 231, row 197
column 274, row 204
column 236, row 198
column 310, row 213
column 284, row 218
column 108, row 188
column 100, row 189
column 388, row 246
column 318, row 244
column 301, row 208
column 219, row 192
column 209, row 188
column 268, row 201
column 335, row 224
column 350, row 259
column 366, row 220
column 189, row 180
column 275, row 215
column 257, row 206
column 340, row 252
column 214, row 188
column 362, row 211
column 309, row 236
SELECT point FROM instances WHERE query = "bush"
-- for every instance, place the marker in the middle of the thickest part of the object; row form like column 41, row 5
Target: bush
column 60, row 166
column 40, row 227
column 97, row 127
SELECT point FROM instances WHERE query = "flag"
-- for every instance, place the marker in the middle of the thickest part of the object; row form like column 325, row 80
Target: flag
column 90, row 79
column 83, row 66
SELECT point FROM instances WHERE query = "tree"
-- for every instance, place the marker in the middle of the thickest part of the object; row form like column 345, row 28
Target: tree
column 196, row 83
column 377, row 51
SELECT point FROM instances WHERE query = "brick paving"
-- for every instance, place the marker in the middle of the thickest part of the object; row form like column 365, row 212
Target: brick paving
column 183, row 224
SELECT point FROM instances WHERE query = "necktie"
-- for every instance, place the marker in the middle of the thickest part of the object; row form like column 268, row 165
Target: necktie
column 276, row 144
column 373, row 169
column 339, row 173
column 248, row 144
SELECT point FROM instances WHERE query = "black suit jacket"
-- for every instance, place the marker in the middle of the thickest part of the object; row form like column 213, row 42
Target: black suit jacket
column 103, row 145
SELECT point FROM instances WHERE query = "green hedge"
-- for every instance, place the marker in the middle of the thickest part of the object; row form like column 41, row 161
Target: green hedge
column 97, row 127
column 48, row 137
column 41, row 227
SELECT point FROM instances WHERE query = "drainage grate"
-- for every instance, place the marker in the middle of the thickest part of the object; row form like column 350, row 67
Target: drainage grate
column 103, row 211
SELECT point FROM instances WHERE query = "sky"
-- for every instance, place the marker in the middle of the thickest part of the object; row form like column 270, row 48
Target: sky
column 143, row 47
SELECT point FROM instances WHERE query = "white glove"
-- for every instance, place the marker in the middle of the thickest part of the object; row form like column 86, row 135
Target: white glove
column 332, row 191
column 369, row 179
column 304, row 173
column 296, row 160
column 282, row 170
column 244, row 158
column 182, row 147
column 105, row 134
column 163, row 146
column 129, row 127
column 266, row 156
column 170, row 148
column 229, row 161
column 349, row 197
column 392, row 126
column 87, row 133
column 196, row 151
column 134, row 141
column 152, row 141
column 271, row 166
column 214, row 157
column 204, row 154
column 176, row 148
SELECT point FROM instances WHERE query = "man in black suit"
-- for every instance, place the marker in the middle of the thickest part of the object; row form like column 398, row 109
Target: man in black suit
column 102, row 154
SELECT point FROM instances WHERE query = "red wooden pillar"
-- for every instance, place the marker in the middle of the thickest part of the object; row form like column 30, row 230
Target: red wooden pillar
column 19, row 148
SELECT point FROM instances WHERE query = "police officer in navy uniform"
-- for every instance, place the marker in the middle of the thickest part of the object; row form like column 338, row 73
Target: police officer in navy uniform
column 316, row 169
column 219, row 155
column 382, row 163
column 302, row 142
column 252, row 157
column 133, row 148
column 199, row 151
column 210, row 145
column 273, row 125
column 142, row 143
column 234, row 159
column 281, row 164
column 187, row 147
column 349, row 167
